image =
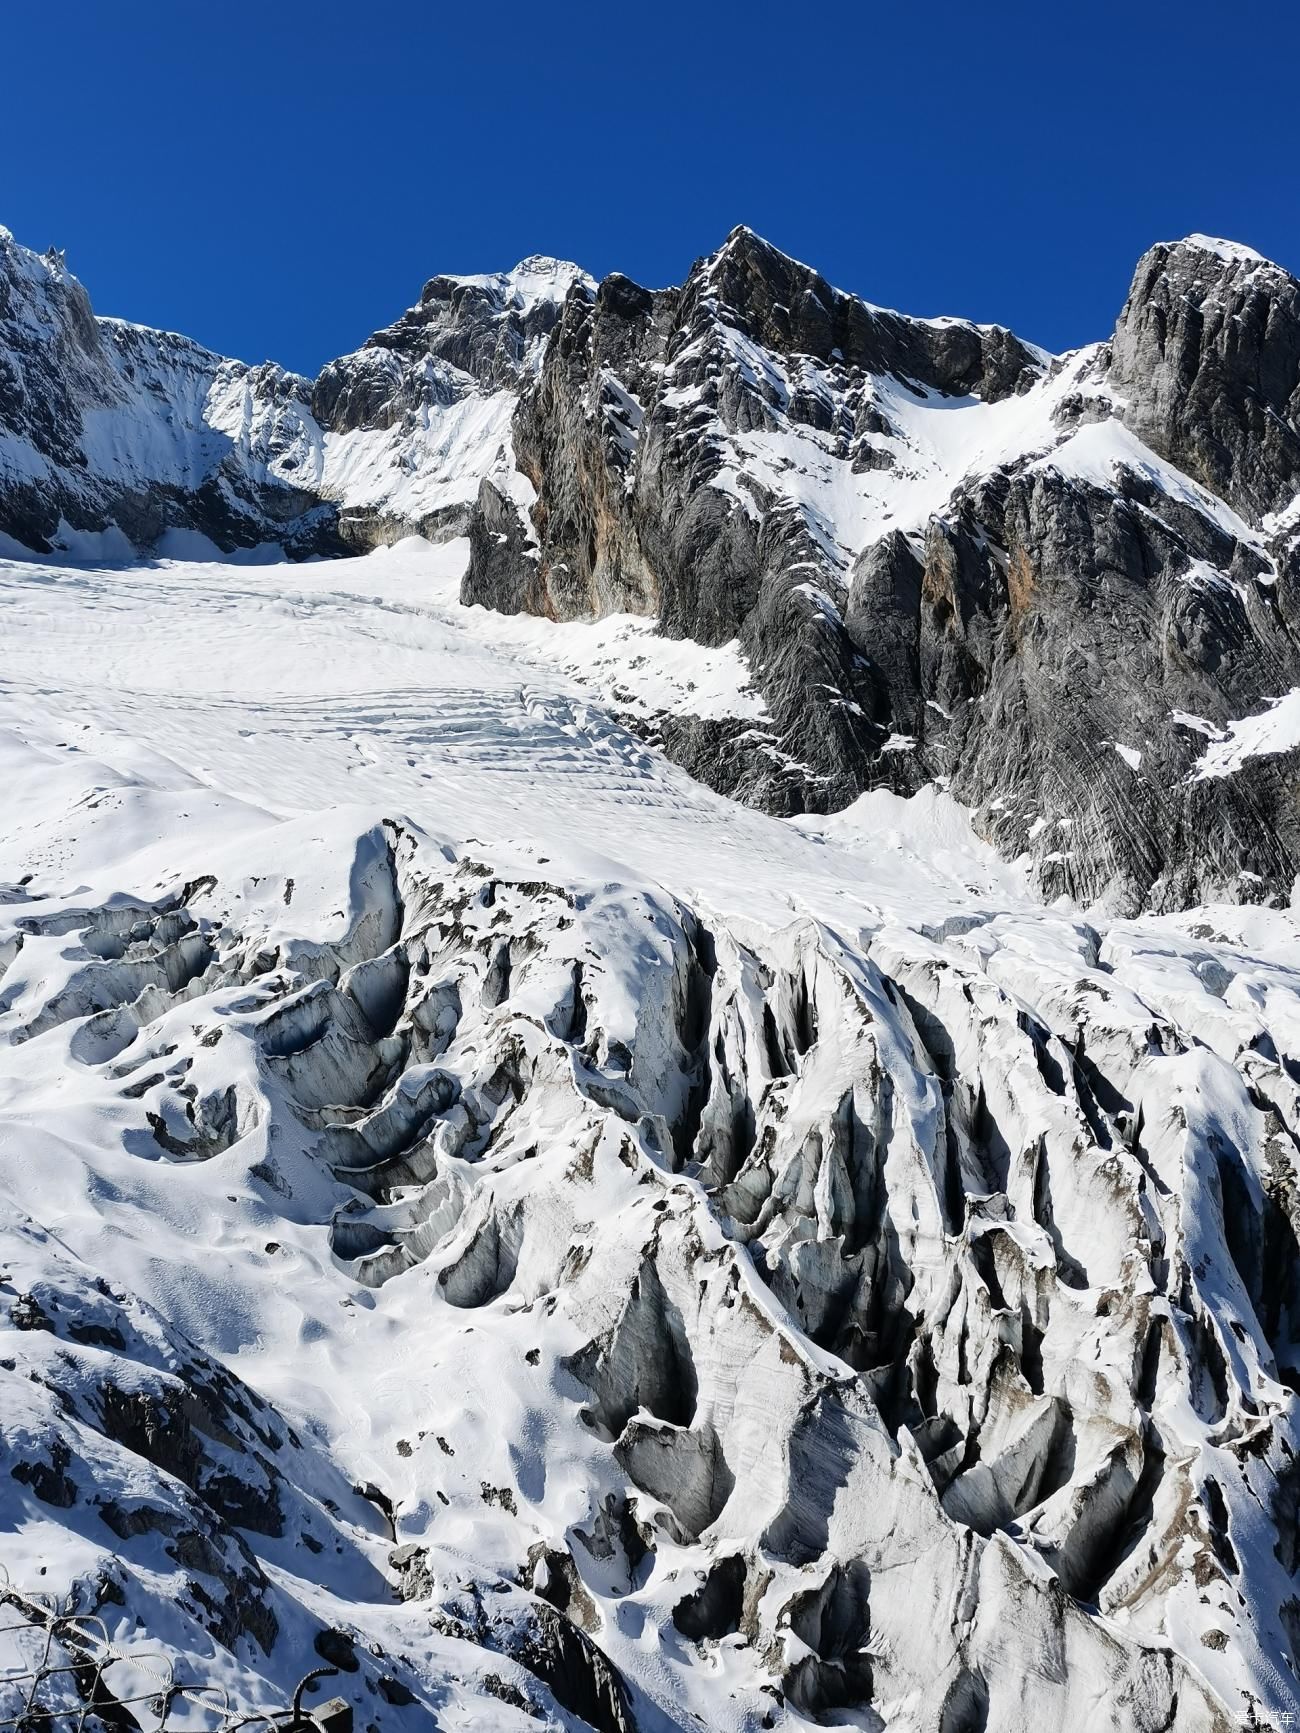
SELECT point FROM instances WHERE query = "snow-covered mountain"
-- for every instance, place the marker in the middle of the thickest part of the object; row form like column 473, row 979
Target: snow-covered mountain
column 1066, row 587
column 115, row 438
column 112, row 428
column 492, row 1213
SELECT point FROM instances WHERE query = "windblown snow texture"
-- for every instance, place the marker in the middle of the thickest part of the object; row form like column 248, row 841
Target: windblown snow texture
column 489, row 1212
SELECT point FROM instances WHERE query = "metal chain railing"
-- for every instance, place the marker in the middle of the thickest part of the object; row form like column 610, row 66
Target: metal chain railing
column 61, row 1673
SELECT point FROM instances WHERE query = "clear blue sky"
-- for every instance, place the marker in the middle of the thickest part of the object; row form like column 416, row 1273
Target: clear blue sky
column 278, row 178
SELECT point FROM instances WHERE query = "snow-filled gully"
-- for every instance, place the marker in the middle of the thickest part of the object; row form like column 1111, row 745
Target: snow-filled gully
column 547, row 1294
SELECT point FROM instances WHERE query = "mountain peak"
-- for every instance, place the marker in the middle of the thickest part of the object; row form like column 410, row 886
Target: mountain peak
column 544, row 265
column 1206, row 352
column 744, row 242
column 537, row 281
column 1230, row 261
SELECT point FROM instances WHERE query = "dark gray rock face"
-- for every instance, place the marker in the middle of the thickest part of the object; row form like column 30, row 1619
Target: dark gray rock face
column 1046, row 626
column 626, row 438
column 625, row 429
column 1059, row 623
column 1047, row 621
column 580, row 1677
column 1207, row 352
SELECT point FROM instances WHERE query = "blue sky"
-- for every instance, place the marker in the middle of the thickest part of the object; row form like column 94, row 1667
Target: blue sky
column 279, row 178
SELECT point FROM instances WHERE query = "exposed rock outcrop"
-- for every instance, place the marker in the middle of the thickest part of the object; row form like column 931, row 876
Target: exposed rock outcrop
column 1206, row 356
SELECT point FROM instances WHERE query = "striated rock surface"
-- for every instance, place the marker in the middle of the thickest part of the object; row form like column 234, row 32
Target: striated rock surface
column 1207, row 355
column 1047, row 583
column 686, row 448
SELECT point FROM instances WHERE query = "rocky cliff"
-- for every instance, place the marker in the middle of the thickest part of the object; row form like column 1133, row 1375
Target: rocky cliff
column 1054, row 584
column 111, row 427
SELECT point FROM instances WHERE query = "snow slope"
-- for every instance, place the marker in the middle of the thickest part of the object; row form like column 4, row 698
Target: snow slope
column 599, row 1219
